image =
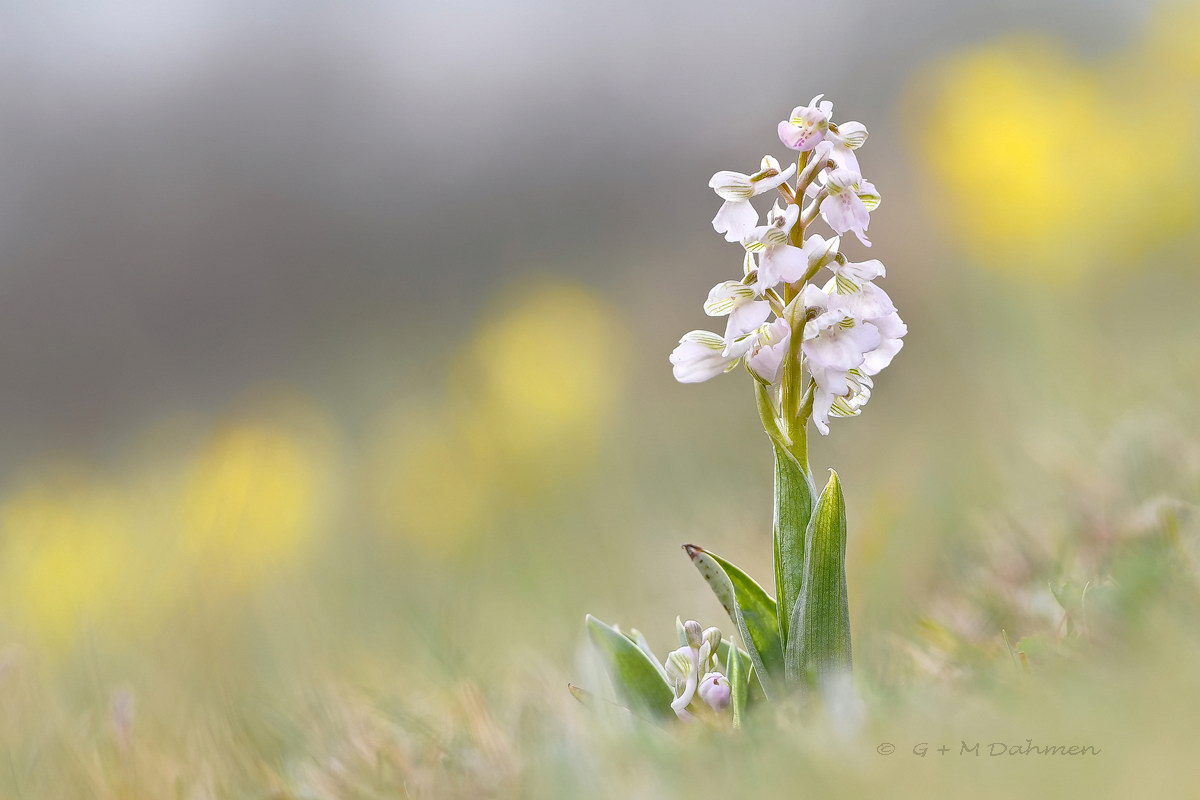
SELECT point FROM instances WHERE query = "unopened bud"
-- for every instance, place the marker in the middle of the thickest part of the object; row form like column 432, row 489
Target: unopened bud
column 713, row 637
column 715, row 691
column 693, row 632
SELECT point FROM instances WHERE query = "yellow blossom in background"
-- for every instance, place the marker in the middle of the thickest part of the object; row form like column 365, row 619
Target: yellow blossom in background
column 531, row 393
column 1171, row 42
column 254, row 495
column 542, row 375
column 1051, row 167
column 71, row 561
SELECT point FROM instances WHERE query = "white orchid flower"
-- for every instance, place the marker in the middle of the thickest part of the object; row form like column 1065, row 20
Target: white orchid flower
column 778, row 261
column 873, row 306
column 850, row 201
column 737, row 218
column 848, row 137
column 853, row 336
column 692, row 671
column 835, row 341
column 850, row 276
column 700, row 356
column 807, row 125
column 826, row 404
column 740, row 302
column 766, row 355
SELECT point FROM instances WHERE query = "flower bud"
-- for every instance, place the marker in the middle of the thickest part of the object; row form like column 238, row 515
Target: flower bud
column 693, row 632
column 715, row 691
column 713, row 637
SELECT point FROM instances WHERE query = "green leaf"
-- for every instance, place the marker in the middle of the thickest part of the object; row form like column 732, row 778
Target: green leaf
column 640, row 640
column 793, row 508
column 819, row 645
column 637, row 679
column 738, row 669
column 751, row 609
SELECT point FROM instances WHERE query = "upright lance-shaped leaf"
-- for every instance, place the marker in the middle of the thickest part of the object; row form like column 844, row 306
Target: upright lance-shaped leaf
column 738, row 669
column 751, row 609
column 793, row 508
column 637, row 679
column 819, row 644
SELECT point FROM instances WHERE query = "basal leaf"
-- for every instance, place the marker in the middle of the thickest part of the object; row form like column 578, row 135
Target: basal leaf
column 751, row 609
column 819, row 642
column 635, row 676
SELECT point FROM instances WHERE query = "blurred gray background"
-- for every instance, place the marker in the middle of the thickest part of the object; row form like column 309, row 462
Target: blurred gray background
column 195, row 196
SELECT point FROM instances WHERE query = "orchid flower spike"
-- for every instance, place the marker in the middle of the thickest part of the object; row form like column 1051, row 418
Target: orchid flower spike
column 839, row 332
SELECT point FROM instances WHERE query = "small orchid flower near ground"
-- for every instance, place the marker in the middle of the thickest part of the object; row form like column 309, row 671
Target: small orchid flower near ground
column 695, row 676
column 814, row 330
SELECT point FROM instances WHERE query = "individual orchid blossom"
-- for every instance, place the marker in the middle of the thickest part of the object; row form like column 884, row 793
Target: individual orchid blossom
column 703, row 355
column 737, row 218
column 807, row 125
column 738, row 301
column 778, row 260
column 769, row 349
column 700, row 356
column 850, row 201
column 850, row 277
column 827, row 404
column 848, row 137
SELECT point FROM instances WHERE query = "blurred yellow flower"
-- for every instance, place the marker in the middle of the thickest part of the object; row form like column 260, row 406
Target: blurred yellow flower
column 1048, row 167
column 530, row 395
column 253, row 497
column 543, row 375
column 70, row 559
column 1171, row 40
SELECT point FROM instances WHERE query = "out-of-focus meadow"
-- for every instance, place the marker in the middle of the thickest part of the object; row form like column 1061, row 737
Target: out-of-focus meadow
column 334, row 343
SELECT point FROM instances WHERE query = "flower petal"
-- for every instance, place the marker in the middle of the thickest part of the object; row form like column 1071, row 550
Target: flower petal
column 731, row 185
column 746, row 317
column 736, row 219
column 782, row 263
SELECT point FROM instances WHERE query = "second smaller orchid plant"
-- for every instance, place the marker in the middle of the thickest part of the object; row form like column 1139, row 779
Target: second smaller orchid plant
column 812, row 348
